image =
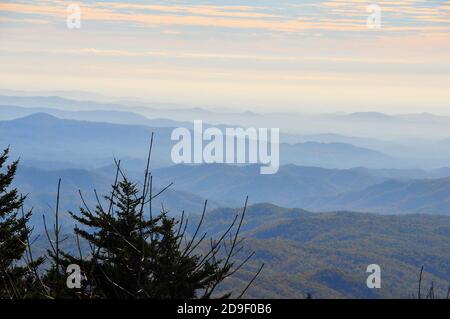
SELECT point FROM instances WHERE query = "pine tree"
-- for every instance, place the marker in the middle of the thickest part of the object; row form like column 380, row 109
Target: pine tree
column 178, row 274
column 120, row 248
column 133, row 256
column 136, row 257
column 14, row 234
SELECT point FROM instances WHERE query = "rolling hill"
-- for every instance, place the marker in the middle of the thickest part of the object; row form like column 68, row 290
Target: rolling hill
column 326, row 254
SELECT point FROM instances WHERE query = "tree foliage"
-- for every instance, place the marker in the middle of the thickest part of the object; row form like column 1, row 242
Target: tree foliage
column 15, row 276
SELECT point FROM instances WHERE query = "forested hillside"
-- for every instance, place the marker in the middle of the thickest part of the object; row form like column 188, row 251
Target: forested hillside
column 326, row 254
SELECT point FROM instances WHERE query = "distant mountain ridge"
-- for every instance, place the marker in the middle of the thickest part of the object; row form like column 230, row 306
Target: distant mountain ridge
column 398, row 140
column 58, row 102
column 318, row 189
column 428, row 196
column 289, row 187
column 82, row 143
column 41, row 187
column 86, row 141
column 108, row 116
column 341, row 154
column 41, row 138
column 373, row 125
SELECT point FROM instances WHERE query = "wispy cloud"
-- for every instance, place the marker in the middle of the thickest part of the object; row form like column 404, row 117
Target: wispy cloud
column 334, row 15
column 227, row 56
column 299, row 51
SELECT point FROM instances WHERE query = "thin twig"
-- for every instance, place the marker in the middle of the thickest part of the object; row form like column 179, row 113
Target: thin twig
column 251, row 282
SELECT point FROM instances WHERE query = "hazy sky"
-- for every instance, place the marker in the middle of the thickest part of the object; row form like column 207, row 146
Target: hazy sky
column 259, row 55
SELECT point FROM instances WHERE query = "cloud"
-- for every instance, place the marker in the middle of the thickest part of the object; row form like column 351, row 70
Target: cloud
column 322, row 48
column 228, row 56
column 333, row 16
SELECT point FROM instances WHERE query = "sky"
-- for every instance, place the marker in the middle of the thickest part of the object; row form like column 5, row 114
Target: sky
column 279, row 55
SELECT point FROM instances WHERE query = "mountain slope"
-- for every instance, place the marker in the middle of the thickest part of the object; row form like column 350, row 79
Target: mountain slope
column 397, row 196
column 44, row 137
column 333, row 155
column 41, row 137
column 107, row 116
column 41, row 187
column 58, row 102
column 317, row 189
column 292, row 186
column 327, row 254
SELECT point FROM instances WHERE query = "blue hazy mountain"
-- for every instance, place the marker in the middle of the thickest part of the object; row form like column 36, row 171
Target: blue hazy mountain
column 404, row 174
column 311, row 188
column 426, row 196
column 334, row 155
column 352, row 151
column 41, row 187
column 48, row 142
column 59, row 103
column 413, row 140
column 292, row 186
column 317, row 189
column 372, row 125
column 42, row 137
column 108, row 116
column 93, row 144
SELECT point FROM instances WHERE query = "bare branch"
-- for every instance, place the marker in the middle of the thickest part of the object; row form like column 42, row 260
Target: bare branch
column 251, row 282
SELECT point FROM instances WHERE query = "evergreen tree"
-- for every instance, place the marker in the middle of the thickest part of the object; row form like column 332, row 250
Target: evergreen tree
column 136, row 257
column 120, row 247
column 15, row 279
column 178, row 274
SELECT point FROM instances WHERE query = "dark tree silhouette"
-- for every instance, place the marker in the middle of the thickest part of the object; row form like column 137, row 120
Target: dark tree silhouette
column 16, row 280
column 134, row 254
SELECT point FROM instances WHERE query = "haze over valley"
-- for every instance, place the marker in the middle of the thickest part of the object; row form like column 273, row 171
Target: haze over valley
column 329, row 163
